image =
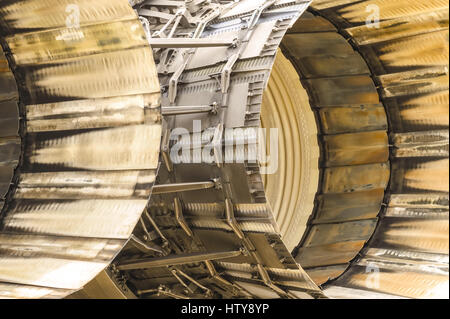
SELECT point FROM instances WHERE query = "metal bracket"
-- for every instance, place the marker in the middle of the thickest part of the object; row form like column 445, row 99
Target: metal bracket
column 180, row 218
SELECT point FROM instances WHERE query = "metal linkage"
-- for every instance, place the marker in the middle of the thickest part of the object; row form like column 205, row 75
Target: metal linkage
column 183, row 187
column 173, row 83
column 174, row 260
column 182, row 43
column 155, row 226
column 184, row 110
column 162, row 291
column 180, row 218
column 207, row 291
column 181, row 281
column 145, row 247
column 176, row 19
column 215, row 275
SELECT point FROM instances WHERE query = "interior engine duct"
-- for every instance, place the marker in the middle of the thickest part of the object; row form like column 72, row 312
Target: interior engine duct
column 132, row 155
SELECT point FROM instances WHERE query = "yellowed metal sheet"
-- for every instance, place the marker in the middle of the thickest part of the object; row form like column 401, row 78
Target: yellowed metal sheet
column 401, row 27
column 123, row 148
column 44, row 271
column 93, row 249
column 349, row 206
column 36, row 15
column 355, row 231
column 291, row 189
column 421, row 81
column 357, row 13
column 93, row 114
column 89, row 185
column 349, row 179
column 65, row 43
column 356, row 148
column 409, row 284
column 15, row 291
column 79, row 218
column 331, row 254
column 130, row 72
column 9, row 150
column 322, row 275
column 353, row 119
column 422, row 235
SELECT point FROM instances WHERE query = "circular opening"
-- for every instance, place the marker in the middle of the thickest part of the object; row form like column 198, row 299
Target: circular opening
column 292, row 188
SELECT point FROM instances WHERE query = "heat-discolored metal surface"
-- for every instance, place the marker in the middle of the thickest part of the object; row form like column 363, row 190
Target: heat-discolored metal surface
column 408, row 58
column 10, row 143
column 354, row 142
column 350, row 108
column 90, row 98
